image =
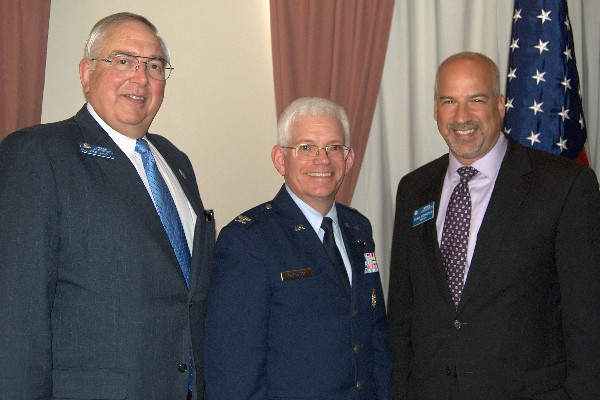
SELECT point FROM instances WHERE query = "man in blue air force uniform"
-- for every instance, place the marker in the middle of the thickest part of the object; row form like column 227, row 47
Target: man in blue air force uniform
column 296, row 308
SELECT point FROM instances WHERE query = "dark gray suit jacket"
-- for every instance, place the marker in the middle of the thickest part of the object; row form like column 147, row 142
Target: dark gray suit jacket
column 93, row 304
column 528, row 325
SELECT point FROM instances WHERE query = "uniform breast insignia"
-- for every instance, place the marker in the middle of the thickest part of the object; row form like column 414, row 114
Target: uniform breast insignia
column 97, row 151
column 362, row 244
column 296, row 274
column 373, row 298
column 242, row 219
column 299, row 228
column 370, row 263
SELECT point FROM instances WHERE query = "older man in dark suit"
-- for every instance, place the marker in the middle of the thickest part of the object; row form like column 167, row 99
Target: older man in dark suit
column 494, row 289
column 296, row 308
column 105, row 245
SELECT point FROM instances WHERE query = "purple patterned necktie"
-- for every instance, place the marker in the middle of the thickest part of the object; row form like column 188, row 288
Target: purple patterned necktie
column 455, row 237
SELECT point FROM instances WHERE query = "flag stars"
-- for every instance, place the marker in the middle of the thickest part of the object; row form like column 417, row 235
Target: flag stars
column 517, row 15
column 512, row 74
column 562, row 143
column 568, row 53
column 507, row 130
column 514, row 44
column 539, row 76
column 509, row 103
column 536, row 107
column 567, row 24
column 564, row 114
column 544, row 16
column 542, row 46
column 534, row 138
column 581, row 121
column 566, row 83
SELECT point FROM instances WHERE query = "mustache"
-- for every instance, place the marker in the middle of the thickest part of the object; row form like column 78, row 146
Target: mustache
column 464, row 127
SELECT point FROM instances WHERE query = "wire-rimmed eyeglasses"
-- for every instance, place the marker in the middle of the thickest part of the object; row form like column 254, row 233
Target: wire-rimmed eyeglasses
column 125, row 64
column 306, row 152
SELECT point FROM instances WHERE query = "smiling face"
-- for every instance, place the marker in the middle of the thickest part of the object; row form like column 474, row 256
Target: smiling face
column 128, row 104
column 315, row 181
column 468, row 112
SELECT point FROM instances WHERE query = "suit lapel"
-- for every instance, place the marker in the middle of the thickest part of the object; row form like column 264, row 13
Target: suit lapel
column 509, row 192
column 428, row 230
column 124, row 180
column 355, row 245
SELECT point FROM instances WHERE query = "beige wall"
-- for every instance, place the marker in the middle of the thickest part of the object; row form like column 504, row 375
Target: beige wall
column 219, row 104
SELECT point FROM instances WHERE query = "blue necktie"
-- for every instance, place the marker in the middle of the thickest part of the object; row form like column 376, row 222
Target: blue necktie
column 165, row 206
column 167, row 211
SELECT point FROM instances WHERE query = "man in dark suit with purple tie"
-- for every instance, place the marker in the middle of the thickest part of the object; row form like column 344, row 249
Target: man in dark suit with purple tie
column 507, row 306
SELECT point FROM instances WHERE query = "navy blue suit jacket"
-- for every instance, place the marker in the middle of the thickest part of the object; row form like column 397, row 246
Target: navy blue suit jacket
column 93, row 303
column 528, row 324
column 270, row 337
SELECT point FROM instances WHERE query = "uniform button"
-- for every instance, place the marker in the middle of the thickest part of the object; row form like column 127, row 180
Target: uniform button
column 182, row 368
column 359, row 385
column 457, row 324
column 354, row 313
column 448, row 371
column 356, row 348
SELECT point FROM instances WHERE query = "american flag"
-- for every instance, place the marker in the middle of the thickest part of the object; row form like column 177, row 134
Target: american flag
column 543, row 96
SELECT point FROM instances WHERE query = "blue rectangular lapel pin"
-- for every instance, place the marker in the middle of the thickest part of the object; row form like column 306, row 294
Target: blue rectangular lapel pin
column 423, row 214
column 97, row 151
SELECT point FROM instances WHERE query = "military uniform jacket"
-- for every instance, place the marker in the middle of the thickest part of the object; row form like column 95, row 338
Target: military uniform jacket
column 93, row 303
column 273, row 337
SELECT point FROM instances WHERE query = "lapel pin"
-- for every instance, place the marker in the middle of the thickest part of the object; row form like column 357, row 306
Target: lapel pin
column 298, row 228
column 96, row 151
column 242, row 219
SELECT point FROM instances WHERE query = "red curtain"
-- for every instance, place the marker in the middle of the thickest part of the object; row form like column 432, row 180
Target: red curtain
column 333, row 49
column 23, row 43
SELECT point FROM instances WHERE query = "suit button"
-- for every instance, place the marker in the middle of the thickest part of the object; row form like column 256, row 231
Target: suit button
column 356, row 348
column 457, row 324
column 359, row 385
column 182, row 368
column 448, row 371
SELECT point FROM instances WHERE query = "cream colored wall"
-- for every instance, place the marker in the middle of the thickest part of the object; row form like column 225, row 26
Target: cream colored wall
column 219, row 104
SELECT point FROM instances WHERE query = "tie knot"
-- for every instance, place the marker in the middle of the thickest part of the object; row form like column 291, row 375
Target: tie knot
column 327, row 224
column 142, row 147
column 466, row 173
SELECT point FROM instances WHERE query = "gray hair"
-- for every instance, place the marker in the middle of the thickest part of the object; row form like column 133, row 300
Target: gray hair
column 493, row 68
column 310, row 107
column 95, row 36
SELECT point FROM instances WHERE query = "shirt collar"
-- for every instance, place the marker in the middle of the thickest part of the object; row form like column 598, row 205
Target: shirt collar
column 313, row 216
column 125, row 143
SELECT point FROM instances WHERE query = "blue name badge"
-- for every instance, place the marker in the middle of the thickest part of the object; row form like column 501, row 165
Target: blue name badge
column 423, row 214
column 97, row 151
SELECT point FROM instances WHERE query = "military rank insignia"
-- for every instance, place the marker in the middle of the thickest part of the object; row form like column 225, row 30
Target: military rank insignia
column 370, row 263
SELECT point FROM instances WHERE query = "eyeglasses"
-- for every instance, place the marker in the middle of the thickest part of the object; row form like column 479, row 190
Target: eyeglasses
column 307, row 152
column 125, row 64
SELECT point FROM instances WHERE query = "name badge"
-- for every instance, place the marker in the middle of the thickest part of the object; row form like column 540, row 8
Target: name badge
column 423, row 214
column 97, row 151
column 296, row 274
